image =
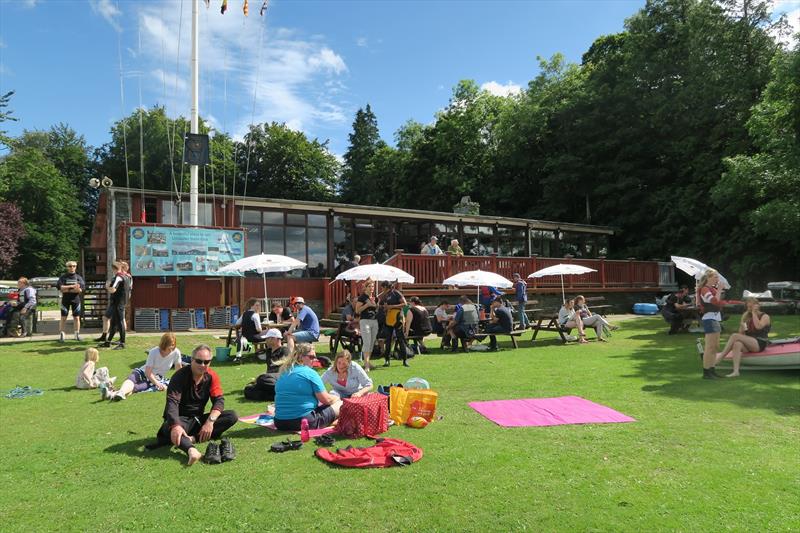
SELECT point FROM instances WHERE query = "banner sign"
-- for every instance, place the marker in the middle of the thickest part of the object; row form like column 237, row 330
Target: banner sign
column 170, row 251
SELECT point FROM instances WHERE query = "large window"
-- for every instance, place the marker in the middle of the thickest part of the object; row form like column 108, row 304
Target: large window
column 512, row 241
column 478, row 240
column 543, row 243
column 300, row 236
column 169, row 213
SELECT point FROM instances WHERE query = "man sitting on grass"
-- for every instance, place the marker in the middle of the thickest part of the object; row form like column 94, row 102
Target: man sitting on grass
column 185, row 424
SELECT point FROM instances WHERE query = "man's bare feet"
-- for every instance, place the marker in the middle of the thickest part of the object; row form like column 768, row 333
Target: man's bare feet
column 194, row 456
column 733, row 375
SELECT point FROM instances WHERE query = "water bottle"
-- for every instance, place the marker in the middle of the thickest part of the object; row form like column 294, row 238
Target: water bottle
column 304, row 430
column 700, row 349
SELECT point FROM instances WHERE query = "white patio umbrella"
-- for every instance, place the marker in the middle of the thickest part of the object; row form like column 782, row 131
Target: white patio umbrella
column 695, row 268
column 376, row 271
column 478, row 278
column 261, row 263
column 562, row 270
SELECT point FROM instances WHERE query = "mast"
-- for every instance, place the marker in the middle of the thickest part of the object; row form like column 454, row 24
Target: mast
column 194, row 126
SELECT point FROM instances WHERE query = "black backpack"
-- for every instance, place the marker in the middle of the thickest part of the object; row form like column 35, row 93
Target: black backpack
column 263, row 390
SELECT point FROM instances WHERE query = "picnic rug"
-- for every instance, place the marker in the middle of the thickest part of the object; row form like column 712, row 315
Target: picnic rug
column 266, row 420
column 548, row 412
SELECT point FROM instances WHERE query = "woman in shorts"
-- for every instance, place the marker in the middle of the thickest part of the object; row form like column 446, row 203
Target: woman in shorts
column 710, row 302
column 752, row 336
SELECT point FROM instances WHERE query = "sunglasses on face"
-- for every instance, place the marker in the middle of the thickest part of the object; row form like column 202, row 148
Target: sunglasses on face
column 311, row 355
column 202, row 362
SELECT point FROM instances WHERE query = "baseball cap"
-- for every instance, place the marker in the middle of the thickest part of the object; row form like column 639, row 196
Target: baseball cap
column 299, row 300
column 434, row 238
column 273, row 333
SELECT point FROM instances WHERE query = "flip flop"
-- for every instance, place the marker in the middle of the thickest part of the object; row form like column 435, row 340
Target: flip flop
column 285, row 446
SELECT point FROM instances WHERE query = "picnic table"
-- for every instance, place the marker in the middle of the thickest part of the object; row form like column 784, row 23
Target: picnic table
column 548, row 322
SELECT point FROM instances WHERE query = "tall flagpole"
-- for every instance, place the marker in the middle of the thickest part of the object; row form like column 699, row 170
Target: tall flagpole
column 194, row 127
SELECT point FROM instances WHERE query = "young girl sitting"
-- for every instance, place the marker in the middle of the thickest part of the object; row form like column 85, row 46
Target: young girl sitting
column 90, row 377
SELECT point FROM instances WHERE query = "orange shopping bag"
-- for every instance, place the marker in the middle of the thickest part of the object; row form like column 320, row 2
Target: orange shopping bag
column 419, row 403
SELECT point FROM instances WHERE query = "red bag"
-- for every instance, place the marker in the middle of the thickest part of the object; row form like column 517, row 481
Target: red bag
column 364, row 416
column 386, row 452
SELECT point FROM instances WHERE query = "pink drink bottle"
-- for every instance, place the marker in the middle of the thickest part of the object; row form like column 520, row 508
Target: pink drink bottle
column 304, row 430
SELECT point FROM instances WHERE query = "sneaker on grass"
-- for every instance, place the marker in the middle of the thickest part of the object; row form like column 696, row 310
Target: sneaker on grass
column 212, row 456
column 60, row 336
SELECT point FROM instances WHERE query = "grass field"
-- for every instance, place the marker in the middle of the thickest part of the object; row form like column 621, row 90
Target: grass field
column 702, row 455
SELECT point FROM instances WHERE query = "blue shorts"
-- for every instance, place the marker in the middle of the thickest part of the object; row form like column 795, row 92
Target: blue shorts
column 711, row 326
column 305, row 336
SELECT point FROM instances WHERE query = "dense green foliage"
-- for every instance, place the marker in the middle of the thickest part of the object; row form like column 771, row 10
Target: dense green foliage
column 701, row 456
column 680, row 132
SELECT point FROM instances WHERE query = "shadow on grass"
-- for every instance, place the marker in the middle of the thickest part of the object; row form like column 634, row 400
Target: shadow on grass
column 673, row 366
column 136, row 448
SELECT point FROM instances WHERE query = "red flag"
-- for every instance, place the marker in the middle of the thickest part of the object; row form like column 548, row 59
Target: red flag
column 224, row 7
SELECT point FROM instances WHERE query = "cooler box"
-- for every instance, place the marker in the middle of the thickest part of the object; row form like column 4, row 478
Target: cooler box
column 645, row 309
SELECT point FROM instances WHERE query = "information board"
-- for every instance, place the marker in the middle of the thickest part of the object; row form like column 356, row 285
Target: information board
column 170, row 251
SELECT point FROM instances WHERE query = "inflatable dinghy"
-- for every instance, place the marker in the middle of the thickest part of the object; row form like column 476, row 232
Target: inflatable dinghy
column 781, row 354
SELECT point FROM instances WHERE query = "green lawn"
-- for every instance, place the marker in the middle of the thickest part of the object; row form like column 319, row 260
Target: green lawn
column 702, row 455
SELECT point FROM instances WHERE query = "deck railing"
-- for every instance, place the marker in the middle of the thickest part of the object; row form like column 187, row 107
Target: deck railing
column 433, row 269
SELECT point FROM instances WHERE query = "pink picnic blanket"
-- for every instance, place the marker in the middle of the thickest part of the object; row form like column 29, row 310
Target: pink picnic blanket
column 547, row 412
column 265, row 420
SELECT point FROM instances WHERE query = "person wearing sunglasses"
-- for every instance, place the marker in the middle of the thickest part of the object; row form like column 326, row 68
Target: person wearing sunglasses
column 189, row 390
column 300, row 393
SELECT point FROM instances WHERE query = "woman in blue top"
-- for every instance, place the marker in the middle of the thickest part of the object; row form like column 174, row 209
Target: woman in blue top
column 300, row 393
column 347, row 378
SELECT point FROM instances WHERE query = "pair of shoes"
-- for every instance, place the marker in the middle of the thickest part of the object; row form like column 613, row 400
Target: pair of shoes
column 101, row 338
column 285, row 446
column 60, row 336
column 324, row 440
column 226, row 450
column 104, row 344
column 120, row 346
column 212, row 456
column 77, row 336
column 708, row 373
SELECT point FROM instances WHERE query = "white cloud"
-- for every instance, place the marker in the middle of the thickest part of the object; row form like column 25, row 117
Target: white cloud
column 296, row 80
column 30, row 3
column 362, row 42
column 791, row 9
column 498, row 89
column 108, row 11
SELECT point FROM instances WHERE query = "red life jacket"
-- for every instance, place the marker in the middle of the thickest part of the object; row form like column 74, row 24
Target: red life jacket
column 385, row 452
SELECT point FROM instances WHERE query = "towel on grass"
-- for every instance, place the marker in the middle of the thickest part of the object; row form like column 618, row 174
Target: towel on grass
column 548, row 412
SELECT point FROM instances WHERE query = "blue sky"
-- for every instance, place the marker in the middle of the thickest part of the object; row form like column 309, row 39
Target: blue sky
column 317, row 62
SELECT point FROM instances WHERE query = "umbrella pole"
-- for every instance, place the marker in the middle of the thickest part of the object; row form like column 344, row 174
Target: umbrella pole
column 264, row 279
column 563, row 296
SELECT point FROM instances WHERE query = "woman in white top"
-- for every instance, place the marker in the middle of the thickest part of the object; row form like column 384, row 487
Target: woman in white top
column 159, row 361
column 347, row 379
column 568, row 318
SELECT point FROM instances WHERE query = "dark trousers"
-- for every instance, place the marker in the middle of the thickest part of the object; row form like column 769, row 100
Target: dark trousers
column 117, row 322
column 192, row 425
column 397, row 331
column 494, row 328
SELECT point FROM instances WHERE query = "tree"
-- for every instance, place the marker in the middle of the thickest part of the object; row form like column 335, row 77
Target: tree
column 365, row 141
column 5, row 116
column 763, row 189
column 279, row 162
column 49, row 207
column 11, row 232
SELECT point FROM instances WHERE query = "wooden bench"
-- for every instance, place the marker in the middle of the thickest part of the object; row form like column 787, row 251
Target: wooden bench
column 511, row 334
column 258, row 348
column 551, row 325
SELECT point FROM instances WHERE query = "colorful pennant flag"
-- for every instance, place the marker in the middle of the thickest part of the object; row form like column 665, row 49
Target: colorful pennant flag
column 245, row 8
column 224, row 7
column 263, row 8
